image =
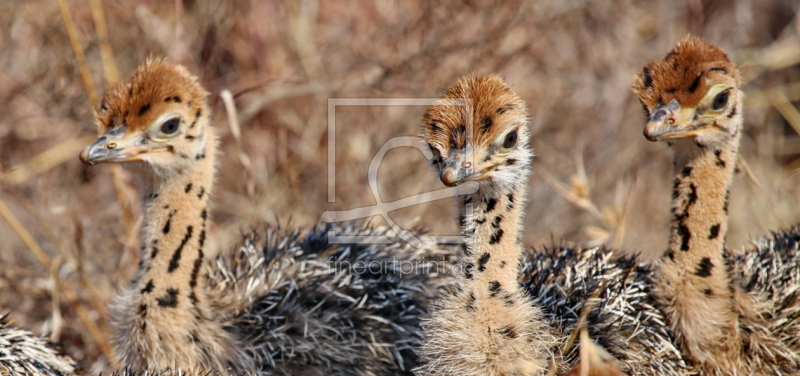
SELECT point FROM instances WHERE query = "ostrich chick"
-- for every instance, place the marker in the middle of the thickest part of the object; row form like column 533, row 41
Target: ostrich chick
column 287, row 303
column 726, row 320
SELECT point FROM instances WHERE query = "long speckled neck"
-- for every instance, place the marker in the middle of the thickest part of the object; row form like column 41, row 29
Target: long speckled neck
column 164, row 319
column 693, row 278
column 492, row 228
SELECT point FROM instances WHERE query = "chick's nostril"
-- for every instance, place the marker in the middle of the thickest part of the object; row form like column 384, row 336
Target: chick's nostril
column 111, row 145
column 466, row 164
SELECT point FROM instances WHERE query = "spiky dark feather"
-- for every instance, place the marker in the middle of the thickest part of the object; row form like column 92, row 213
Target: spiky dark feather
column 23, row 354
column 298, row 309
column 625, row 320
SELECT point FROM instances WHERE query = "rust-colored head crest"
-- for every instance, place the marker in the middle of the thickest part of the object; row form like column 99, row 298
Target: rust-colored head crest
column 686, row 74
column 495, row 107
column 478, row 131
column 153, row 87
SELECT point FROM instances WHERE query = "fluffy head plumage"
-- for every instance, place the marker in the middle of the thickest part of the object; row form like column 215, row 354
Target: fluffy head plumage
column 692, row 92
column 158, row 120
column 478, row 131
column 154, row 88
column 688, row 71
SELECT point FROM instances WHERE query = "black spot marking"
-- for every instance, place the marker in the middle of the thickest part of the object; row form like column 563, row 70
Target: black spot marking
column 471, row 302
column 714, row 231
column 188, row 188
column 494, row 287
column 200, row 156
column 733, row 112
column 648, row 80
column 720, row 162
column 490, row 203
column 509, row 332
column 170, row 299
column 466, row 250
column 686, row 171
column 671, row 255
column 496, row 222
column 148, row 288
column 480, row 221
column 695, row 83
column 685, row 235
column 176, row 257
column 189, row 137
column 143, row 110
column 143, row 310
column 704, row 268
column 727, row 199
column 692, row 195
column 201, row 193
column 675, row 184
column 699, row 145
column 671, row 91
column 482, row 261
column 511, row 162
column 502, row 264
column 193, row 298
column 486, row 125
column 505, row 108
column 196, row 269
column 204, row 214
column 434, row 125
column 496, row 236
column 167, row 225
column 177, row 99
column 723, row 70
column 462, row 220
column 154, row 252
column 708, row 292
column 202, row 237
column 468, row 270
column 194, row 337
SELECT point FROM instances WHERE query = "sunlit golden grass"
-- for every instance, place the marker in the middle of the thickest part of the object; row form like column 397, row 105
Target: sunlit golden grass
column 68, row 232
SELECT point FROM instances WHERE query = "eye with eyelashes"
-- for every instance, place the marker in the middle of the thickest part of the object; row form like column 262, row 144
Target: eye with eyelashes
column 511, row 140
column 170, row 127
column 437, row 155
column 720, row 101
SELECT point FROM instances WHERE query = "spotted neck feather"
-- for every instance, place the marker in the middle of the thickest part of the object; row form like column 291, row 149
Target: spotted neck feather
column 693, row 278
column 164, row 319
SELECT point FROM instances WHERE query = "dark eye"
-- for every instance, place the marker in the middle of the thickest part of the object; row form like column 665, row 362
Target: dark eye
column 720, row 101
column 170, row 126
column 511, row 140
column 437, row 156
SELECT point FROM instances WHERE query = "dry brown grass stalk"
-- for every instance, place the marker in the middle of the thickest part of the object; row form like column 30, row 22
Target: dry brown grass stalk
column 69, row 294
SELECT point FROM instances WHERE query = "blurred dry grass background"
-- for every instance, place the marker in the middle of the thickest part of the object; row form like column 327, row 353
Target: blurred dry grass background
column 571, row 60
